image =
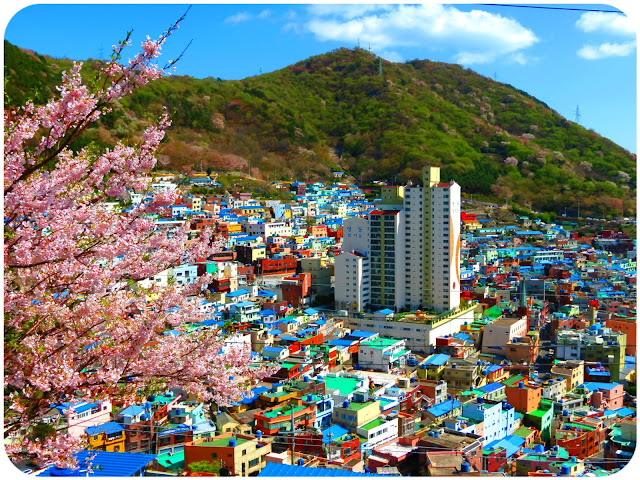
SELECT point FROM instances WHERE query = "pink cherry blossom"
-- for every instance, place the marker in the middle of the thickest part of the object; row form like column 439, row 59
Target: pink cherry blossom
column 77, row 321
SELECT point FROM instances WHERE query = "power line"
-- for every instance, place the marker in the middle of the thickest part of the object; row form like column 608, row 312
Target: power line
column 550, row 8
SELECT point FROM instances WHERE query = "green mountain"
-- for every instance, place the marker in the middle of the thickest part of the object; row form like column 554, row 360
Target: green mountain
column 349, row 110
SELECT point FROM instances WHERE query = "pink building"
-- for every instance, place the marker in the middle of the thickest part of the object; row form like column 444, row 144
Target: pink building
column 80, row 415
column 606, row 396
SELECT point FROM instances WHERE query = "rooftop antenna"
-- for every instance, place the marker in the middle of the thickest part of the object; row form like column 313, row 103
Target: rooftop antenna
column 358, row 42
column 578, row 114
column 100, row 53
column 260, row 69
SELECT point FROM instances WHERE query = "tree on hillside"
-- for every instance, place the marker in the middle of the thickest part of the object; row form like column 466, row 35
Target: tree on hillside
column 78, row 323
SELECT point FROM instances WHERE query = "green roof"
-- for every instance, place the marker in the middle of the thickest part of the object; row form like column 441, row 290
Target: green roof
column 513, row 380
column 538, row 413
column 171, row 461
column 373, row 424
column 523, row 432
column 222, row 442
column 493, row 312
column 380, row 342
column 399, row 354
column 345, row 385
column 357, row 406
column 280, row 412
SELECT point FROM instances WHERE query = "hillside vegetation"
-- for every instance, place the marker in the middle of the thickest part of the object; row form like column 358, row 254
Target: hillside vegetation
column 337, row 112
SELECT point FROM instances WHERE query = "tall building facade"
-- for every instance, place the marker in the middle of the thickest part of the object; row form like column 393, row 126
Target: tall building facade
column 413, row 248
column 352, row 269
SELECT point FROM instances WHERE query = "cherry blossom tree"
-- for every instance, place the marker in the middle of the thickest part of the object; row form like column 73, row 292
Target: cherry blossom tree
column 78, row 322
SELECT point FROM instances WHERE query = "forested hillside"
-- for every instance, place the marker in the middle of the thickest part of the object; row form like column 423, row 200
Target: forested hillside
column 349, row 110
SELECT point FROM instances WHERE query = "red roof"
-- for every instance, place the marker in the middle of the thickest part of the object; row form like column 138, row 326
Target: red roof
column 384, row 212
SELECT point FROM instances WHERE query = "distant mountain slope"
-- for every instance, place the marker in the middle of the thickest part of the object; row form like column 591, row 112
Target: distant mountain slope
column 349, row 110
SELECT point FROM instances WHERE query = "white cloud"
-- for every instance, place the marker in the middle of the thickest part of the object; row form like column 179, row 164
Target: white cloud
column 605, row 50
column 246, row 16
column 601, row 22
column 238, row 18
column 477, row 36
column 347, row 12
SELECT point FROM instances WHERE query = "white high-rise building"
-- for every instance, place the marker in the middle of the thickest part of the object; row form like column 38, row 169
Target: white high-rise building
column 351, row 268
column 415, row 246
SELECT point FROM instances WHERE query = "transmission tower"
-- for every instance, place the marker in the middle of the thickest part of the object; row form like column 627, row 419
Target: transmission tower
column 578, row 114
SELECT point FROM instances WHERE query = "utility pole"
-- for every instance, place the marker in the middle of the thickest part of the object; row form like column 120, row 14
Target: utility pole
column 292, row 432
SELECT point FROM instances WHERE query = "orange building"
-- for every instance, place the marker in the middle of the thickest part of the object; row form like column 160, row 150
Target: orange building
column 272, row 420
column 581, row 438
column 524, row 396
column 240, row 455
column 108, row 437
column 625, row 325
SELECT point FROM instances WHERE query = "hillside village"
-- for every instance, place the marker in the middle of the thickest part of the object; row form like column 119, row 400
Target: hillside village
column 521, row 363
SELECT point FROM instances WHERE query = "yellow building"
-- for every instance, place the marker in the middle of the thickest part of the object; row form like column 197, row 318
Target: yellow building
column 356, row 414
column 242, row 455
column 108, row 437
column 572, row 371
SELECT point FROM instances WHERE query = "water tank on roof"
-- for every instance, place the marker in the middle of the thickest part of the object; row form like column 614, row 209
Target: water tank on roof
column 232, row 442
column 465, row 467
column 394, row 412
column 574, row 459
column 565, row 413
column 305, row 378
column 258, row 434
column 545, row 471
column 521, row 384
column 300, row 462
column 345, row 404
column 539, row 448
column 480, row 400
column 151, row 398
column 479, row 362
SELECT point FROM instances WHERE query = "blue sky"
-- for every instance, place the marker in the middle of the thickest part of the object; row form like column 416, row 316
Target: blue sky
column 568, row 59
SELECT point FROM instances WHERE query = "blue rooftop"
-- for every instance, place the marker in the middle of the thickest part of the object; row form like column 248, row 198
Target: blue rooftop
column 491, row 387
column 335, row 430
column 362, row 333
column 237, row 293
column 105, row 464
column 283, row 470
column 437, row 359
column 443, row 408
column 511, row 444
column 132, row 410
column 591, row 386
column 385, row 311
column 109, row 427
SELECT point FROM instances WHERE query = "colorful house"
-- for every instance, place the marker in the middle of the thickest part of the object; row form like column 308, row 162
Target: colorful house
column 108, row 437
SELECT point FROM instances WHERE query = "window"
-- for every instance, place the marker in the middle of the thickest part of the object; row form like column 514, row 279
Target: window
column 254, row 462
column 214, row 455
